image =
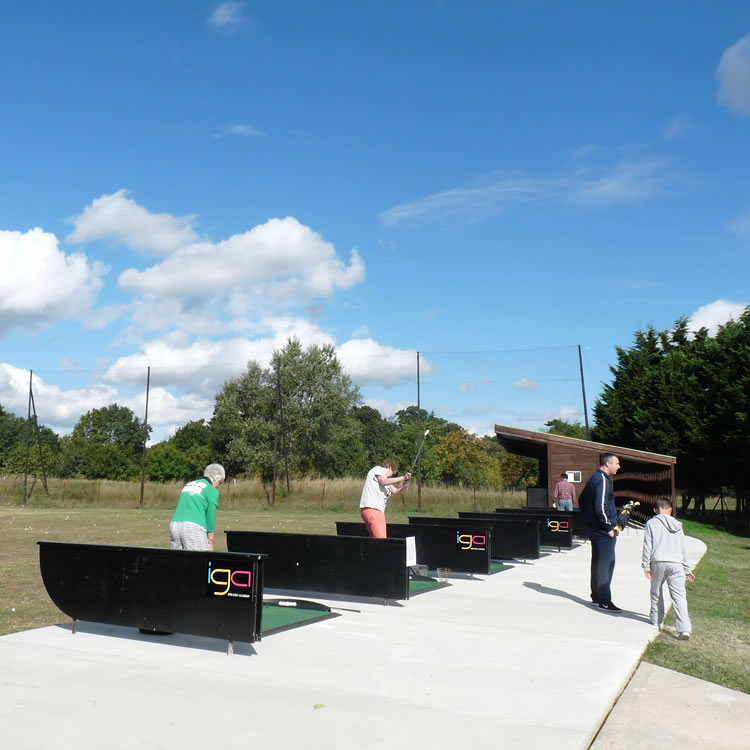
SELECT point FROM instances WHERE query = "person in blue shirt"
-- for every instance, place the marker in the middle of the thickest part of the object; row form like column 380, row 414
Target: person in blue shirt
column 600, row 512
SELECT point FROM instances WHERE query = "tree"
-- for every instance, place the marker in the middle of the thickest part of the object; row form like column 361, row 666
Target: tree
column 106, row 443
column 166, row 463
column 566, row 429
column 321, row 434
column 376, row 432
column 519, row 471
column 686, row 395
column 463, row 458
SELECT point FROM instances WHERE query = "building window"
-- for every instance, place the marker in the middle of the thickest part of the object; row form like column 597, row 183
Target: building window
column 574, row 476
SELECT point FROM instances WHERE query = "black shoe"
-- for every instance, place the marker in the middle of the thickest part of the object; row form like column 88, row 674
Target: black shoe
column 610, row 607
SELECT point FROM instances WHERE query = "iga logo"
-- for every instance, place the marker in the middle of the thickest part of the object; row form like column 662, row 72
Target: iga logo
column 228, row 582
column 471, row 541
column 558, row 525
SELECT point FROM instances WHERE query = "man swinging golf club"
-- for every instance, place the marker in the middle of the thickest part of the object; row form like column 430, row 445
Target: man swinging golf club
column 379, row 487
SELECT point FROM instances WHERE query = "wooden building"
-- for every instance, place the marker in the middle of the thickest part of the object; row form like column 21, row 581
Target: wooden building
column 643, row 476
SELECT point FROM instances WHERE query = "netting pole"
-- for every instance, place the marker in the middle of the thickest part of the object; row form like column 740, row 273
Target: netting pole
column 583, row 390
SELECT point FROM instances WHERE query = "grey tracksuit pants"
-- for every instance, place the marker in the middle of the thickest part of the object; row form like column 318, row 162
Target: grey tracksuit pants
column 673, row 574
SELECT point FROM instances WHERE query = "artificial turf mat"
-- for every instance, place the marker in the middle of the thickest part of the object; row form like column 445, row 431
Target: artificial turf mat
column 418, row 584
column 496, row 567
column 277, row 617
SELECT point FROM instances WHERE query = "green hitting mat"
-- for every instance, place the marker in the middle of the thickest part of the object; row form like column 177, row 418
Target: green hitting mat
column 284, row 614
column 420, row 584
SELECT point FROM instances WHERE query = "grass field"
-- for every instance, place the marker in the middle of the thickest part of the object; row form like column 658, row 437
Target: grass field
column 719, row 607
column 719, row 600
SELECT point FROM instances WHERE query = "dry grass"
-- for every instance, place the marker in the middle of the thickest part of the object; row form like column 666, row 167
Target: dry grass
column 305, row 494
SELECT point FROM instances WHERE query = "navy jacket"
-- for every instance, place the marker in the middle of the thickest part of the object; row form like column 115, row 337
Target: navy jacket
column 599, row 507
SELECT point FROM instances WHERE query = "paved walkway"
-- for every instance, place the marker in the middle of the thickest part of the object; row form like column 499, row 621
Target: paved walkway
column 518, row 659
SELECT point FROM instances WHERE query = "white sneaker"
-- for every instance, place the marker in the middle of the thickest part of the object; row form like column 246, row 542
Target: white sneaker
column 684, row 636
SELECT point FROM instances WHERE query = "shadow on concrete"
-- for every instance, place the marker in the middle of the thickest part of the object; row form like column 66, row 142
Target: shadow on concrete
column 578, row 600
column 178, row 640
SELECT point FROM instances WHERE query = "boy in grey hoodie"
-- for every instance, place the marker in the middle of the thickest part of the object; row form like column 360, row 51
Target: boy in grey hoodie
column 665, row 560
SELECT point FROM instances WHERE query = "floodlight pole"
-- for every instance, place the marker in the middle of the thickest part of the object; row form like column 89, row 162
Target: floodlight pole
column 583, row 390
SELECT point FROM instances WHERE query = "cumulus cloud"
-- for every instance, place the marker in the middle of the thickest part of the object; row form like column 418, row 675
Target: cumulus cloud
column 715, row 314
column 39, row 283
column 56, row 407
column 281, row 261
column 524, row 384
column 626, row 182
column 118, row 218
column 733, row 75
column 227, row 16
column 368, row 362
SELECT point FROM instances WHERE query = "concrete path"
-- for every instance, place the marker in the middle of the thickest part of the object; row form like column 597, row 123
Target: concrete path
column 518, row 659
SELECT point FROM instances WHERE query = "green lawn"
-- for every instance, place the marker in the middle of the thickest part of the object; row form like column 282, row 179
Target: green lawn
column 719, row 607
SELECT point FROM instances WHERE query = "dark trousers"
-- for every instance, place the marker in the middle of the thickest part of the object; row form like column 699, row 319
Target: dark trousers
column 602, row 565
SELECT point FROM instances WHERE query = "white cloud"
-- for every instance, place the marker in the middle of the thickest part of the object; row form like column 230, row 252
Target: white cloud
column 524, row 384
column 362, row 332
column 245, row 131
column 714, row 314
column 227, row 16
column 677, row 127
column 368, row 362
column 39, row 283
column 281, row 261
column 118, row 218
column 387, row 409
column 626, row 182
column 55, row 407
column 201, row 366
column 733, row 75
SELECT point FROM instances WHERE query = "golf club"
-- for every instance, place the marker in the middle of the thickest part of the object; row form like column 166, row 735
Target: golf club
column 416, row 458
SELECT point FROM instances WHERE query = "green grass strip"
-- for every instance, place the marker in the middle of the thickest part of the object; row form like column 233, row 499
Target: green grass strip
column 719, row 607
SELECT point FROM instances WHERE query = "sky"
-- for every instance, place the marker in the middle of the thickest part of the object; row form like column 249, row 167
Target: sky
column 488, row 183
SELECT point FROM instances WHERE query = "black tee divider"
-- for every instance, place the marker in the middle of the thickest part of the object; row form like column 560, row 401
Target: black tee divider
column 510, row 537
column 555, row 528
column 213, row 594
column 352, row 566
column 577, row 520
column 461, row 550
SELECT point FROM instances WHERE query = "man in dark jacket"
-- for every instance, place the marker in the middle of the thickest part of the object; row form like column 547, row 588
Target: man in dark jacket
column 600, row 512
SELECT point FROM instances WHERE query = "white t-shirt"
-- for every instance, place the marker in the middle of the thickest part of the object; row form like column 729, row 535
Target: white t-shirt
column 374, row 494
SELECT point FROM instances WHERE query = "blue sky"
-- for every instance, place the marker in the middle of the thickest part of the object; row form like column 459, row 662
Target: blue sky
column 183, row 185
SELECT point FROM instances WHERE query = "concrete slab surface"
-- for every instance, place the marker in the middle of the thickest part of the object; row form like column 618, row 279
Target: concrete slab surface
column 518, row 659
column 681, row 711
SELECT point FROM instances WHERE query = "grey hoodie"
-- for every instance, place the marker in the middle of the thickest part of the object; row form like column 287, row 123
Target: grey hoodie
column 664, row 542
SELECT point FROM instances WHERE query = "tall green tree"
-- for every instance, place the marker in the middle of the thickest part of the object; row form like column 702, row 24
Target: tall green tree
column 566, row 429
column 686, row 395
column 304, row 402
column 106, row 443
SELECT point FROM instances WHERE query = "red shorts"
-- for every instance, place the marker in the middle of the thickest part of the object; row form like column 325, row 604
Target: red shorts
column 375, row 521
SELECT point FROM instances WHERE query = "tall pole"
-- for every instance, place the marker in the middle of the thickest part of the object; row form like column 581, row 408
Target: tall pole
column 419, row 432
column 38, row 441
column 145, row 433
column 28, row 440
column 583, row 390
